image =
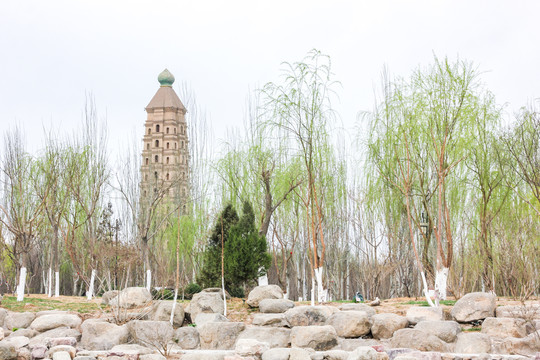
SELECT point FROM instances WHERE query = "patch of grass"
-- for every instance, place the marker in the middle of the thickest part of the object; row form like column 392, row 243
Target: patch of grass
column 473, row 329
column 425, row 303
column 39, row 304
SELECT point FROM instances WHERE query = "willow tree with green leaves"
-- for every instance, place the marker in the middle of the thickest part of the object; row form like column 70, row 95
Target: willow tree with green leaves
column 300, row 110
column 420, row 136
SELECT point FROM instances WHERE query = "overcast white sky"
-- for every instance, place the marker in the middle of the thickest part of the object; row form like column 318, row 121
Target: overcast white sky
column 52, row 52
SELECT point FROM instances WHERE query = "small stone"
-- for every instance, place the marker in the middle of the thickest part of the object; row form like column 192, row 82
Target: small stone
column 39, row 352
column 62, row 348
column 24, row 354
column 61, row 355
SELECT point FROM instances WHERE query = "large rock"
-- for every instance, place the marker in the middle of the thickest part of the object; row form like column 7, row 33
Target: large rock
column 108, row 296
column 132, row 349
column 131, row 298
column 363, row 353
column 29, row 333
column 415, row 314
column 351, row 344
column 447, row 331
column 385, row 325
column 472, row 343
column 53, row 321
column 528, row 346
column 220, row 335
column 350, row 324
column 205, row 302
column 308, row 315
column 24, row 354
column 504, row 327
column 161, row 311
column 1, row 333
column 275, row 305
column 260, row 293
column 16, row 320
column 276, row 354
column 314, row 337
column 69, row 349
column 53, row 334
column 299, row 354
column 330, row 355
column 17, row 341
column 275, row 337
column 155, row 334
column 187, row 337
column 276, row 320
column 7, row 351
column 61, row 355
column 474, row 306
column 251, row 347
column 416, row 339
column 3, row 314
column 527, row 312
column 203, row 318
column 358, row 307
column 207, row 355
column 102, row 335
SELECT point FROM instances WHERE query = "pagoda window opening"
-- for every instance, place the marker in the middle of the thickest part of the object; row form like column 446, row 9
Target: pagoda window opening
column 148, row 146
column 146, row 161
column 157, row 143
column 175, row 130
column 167, row 176
column 167, row 159
column 167, row 145
column 175, row 145
column 149, row 131
column 156, row 158
column 157, row 128
column 167, row 130
column 155, row 174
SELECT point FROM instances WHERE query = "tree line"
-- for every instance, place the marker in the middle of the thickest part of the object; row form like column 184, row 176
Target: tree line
column 435, row 193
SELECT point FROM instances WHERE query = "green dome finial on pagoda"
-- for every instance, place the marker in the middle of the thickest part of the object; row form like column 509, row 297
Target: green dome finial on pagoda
column 165, row 78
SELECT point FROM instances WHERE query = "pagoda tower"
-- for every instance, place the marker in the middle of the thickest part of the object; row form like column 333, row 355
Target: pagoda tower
column 165, row 155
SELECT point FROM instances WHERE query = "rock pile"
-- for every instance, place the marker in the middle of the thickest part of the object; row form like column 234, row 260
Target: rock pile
column 279, row 331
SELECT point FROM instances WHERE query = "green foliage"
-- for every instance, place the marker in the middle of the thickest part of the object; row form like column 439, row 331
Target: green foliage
column 191, row 289
column 163, row 294
column 245, row 251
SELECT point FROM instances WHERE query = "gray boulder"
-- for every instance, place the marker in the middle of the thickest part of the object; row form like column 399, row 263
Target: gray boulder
column 314, row 337
column 203, row 318
column 131, row 349
column 474, row 306
column 209, row 355
column 187, row 337
column 61, row 355
column 108, row 296
column 205, row 302
column 299, row 354
column 44, row 337
column 351, row 344
column 363, row 353
column 385, row 325
column 527, row 311
column 528, row 346
column 161, row 311
column 447, row 331
column 251, row 347
column 472, row 343
column 17, row 341
column 69, row 349
column 3, row 314
column 350, row 324
column 152, row 357
column 131, row 298
column 29, row 333
column 275, row 305
column 102, row 335
column 220, row 335
column 330, row 355
column 275, row 320
column 7, row 351
column 260, row 293
column 308, row 315
column 39, row 352
column 358, row 307
column 275, row 337
column 276, row 354
column 415, row 314
column 24, row 354
column 155, row 334
column 53, row 321
column 416, row 339
column 18, row 320
column 504, row 327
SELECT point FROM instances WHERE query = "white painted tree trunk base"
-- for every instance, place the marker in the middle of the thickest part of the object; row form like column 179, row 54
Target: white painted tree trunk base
column 313, row 292
column 263, row 280
column 224, row 297
column 22, row 284
column 321, row 292
column 426, row 291
column 441, row 279
column 49, row 283
column 148, row 279
column 174, row 305
column 90, row 292
column 56, row 284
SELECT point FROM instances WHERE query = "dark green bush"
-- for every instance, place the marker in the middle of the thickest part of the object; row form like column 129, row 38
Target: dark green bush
column 191, row 290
